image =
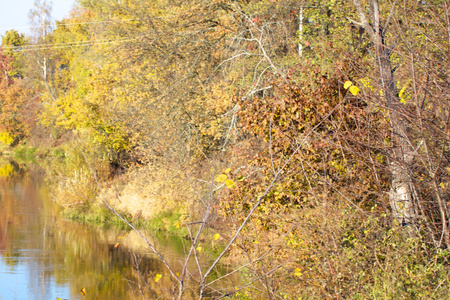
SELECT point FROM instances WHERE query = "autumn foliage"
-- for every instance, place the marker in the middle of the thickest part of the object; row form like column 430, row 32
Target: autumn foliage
column 17, row 112
column 287, row 129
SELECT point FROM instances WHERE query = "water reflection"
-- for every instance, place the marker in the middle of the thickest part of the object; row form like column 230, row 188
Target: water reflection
column 45, row 257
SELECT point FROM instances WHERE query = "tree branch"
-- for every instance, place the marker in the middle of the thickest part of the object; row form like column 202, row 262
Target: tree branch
column 363, row 19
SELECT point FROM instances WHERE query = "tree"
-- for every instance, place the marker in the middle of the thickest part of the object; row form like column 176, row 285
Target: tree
column 42, row 23
column 402, row 189
column 416, row 156
column 12, row 44
column 297, row 160
column 17, row 103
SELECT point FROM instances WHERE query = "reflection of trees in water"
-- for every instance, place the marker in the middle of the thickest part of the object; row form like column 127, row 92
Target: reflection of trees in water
column 19, row 203
column 91, row 261
column 6, row 170
column 33, row 234
column 10, row 169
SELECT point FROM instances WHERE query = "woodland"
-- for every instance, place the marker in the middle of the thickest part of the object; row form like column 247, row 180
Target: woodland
column 302, row 144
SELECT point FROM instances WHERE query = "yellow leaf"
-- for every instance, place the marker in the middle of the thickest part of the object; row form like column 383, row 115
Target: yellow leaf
column 227, row 171
column 400, row 94
column 230, row 184
column 221, row 178
column 216, row 236
column 199, row 249
column 158, row 277
column 83, row 291
column 347, row 84
column 354, row 90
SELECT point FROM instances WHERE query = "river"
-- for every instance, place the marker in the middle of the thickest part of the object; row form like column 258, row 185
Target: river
column 43, row 256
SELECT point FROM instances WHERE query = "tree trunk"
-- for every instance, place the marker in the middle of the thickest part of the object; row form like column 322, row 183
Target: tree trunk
column 402, row 188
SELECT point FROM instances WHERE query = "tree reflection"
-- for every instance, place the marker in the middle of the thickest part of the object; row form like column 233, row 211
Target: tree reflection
column 56, row 255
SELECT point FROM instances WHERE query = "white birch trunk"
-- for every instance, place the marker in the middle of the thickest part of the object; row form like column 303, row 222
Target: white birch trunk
column 300, row 31
column 401, row 195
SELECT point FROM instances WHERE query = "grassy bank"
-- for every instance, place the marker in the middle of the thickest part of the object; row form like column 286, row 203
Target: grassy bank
column 166, row 222
column 30, row 153
column 60, row 163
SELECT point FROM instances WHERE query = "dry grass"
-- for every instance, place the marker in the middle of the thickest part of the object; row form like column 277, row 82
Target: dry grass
column 146, row 193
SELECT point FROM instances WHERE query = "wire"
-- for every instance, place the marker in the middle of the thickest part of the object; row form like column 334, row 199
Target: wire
column 50, row 46
column 68, row 24
column 71, row 45
column 26, row 48
column 12, row 48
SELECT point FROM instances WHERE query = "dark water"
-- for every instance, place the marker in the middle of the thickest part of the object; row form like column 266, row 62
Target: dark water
column 43, row 256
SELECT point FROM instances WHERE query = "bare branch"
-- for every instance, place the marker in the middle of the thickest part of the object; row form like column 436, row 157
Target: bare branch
column 363, row 20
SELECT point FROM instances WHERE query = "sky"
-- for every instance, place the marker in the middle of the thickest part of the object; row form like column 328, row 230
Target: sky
column 14, row 13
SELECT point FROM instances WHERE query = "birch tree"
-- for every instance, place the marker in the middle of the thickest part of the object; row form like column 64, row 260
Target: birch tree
column 402, row 191
column 41, row 22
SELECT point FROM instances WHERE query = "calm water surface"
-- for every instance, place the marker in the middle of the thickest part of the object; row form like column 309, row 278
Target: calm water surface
column 43, row 256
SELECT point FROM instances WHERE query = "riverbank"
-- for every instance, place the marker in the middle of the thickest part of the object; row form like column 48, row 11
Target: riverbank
column 167, row 222
column 27, row 153
column 278, row 238
column 37, row 242
column 92, row 211
column 111, row 237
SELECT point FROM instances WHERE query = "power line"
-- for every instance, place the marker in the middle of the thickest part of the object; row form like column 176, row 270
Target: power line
column 69, row 24
column 68, row 45
column 31, row 46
